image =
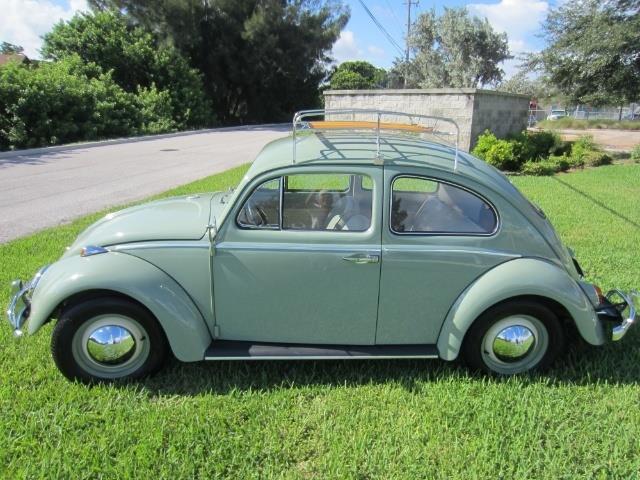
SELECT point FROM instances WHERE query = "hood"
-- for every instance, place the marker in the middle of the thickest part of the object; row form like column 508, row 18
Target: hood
column 177, row 218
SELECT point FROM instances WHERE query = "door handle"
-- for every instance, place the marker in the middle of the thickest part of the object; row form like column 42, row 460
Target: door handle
column 362, row 258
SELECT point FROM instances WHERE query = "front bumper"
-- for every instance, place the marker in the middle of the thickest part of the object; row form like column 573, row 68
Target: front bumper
column 20, row 303
column 621, row 309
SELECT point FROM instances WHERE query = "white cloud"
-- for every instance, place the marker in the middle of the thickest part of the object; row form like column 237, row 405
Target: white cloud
column 519, row 19
column 376, row 51
column 23, row 22
column 346, row 47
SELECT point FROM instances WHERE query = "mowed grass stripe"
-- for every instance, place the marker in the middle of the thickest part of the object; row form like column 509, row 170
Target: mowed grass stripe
column 356, row 419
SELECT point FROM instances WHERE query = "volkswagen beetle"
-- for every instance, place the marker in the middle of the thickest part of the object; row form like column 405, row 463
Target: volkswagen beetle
column 371, row 237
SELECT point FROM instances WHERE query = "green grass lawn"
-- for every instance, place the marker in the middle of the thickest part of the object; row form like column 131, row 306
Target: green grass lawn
column 582, row 124
column 358, row 419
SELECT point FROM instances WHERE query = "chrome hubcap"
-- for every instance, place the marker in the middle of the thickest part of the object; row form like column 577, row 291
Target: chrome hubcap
column 513, row 343
column 111, row 345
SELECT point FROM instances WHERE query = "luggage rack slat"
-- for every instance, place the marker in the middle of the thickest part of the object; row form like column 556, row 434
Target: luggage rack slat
column 303, row 121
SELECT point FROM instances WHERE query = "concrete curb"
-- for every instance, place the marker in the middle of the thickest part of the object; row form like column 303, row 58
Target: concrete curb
column 144, row 138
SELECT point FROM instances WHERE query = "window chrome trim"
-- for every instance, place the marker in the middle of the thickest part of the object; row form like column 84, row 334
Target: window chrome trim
column 443, row 234
column 192, row 244
column 262, row 227
column 299, row 247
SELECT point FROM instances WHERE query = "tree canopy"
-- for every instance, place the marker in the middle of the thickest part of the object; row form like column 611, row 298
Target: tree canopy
column 9, row 48
column 136, row 60
column 358, row 75
column 261, row 59
column 453, row 50
column 593, row 54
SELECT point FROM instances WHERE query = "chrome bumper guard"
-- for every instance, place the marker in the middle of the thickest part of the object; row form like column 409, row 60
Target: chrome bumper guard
column 18, row 310
column 627, row 304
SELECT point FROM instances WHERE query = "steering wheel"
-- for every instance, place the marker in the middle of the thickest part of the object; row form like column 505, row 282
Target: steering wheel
column 255, row 214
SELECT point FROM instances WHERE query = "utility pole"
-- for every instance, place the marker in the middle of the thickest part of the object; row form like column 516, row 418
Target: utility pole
column 408, row 3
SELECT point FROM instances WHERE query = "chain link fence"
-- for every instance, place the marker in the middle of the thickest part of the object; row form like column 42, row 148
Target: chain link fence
column 631, row 112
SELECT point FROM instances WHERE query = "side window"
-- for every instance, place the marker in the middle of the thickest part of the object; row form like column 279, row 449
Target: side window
column 325, row 202
column 420, row 205
column 262, row 208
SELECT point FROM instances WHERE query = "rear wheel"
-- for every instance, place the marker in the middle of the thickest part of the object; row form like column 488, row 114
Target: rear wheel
column 107, row 339
column 514, row 337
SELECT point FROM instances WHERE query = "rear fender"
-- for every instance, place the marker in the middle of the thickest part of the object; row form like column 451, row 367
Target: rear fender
column 518, row 277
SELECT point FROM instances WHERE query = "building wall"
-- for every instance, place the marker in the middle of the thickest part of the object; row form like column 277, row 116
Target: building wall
column 472, row 109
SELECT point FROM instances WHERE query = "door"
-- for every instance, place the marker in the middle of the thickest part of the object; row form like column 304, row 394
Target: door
column 438, row 237
column 298, row 258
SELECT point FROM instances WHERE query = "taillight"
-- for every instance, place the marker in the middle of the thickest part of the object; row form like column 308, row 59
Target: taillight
column 601, row 297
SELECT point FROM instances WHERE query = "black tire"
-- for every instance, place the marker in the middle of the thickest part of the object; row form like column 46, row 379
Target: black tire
column 476, row 356
column 75, row 363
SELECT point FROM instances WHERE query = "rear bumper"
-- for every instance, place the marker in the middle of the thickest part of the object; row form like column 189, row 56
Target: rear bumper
column 620, row 310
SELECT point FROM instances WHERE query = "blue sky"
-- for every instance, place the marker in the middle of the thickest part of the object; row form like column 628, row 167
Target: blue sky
column 362, row 40
column 24, row 21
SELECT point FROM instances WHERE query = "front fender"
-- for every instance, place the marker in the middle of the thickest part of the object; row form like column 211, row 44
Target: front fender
column 180, row 319
column 523, row 276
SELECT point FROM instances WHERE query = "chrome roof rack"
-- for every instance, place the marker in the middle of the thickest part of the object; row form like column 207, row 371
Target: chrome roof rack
column 377, row 120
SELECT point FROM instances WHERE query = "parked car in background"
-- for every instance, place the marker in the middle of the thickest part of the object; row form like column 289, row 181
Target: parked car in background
column 556, row 114
column 356, row 238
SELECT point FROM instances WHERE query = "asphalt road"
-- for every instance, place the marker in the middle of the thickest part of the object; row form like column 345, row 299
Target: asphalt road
column 44, row 188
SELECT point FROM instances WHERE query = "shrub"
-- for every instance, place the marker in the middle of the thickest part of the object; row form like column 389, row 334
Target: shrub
column 544, row 143
column 543, row 167
column 583, row 145
column 62, row 102
column 155, row 108
column 484, row 143
column 596, row 159
column 502, row 156
column 635, row 153
column 136, row 58
column 562, row 162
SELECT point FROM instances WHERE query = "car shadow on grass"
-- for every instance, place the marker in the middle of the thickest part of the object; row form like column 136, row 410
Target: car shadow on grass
column 581, row 365
column 597, row 202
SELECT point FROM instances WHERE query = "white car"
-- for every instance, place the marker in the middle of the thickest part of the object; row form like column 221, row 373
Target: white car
column 557, row 114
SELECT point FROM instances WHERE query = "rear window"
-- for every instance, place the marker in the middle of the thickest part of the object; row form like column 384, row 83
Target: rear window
column 427, row 206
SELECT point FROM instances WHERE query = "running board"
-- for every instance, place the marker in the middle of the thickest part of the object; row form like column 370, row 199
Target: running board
column 235, row 350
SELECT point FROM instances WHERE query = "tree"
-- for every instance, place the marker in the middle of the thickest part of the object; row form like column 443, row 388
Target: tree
column 593, row 53
column 136, row 60
column 261, row 59
column 9, row 48
column 454, row 50
column 527, row 83
column 358, row 75
column 61, row 102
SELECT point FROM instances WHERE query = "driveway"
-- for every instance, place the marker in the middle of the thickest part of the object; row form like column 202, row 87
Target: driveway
column 609, row 139
column 46, row 187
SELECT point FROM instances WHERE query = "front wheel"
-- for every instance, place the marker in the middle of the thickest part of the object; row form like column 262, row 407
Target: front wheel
column 107, row 339
column 514, row 337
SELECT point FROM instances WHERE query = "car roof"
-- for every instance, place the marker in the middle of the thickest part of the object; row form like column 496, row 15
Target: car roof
column 360, row 148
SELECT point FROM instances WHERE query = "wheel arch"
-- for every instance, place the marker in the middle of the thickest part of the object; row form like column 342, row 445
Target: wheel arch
column 75, row 279
column 530, row 278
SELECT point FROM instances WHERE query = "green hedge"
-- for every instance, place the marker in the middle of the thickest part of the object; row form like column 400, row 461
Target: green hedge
column 538, row 153
column 69, row 101
column 62, row 102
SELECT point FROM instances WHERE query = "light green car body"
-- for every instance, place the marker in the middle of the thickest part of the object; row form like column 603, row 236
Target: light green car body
column 204, row 278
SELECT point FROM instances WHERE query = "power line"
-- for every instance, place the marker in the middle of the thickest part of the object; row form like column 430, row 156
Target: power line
column 397, row 20
column 381, row 28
